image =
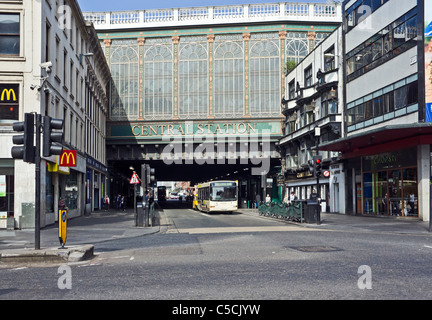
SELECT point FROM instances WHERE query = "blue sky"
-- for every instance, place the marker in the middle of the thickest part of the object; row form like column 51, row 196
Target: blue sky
column 117, row 5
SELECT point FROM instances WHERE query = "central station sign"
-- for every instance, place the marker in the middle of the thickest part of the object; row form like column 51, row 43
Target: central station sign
column 155, row 130
column 192, row 128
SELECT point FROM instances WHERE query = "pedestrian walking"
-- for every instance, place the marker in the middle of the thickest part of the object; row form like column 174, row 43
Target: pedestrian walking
column 257, row 200
column 411, row 202
column 123, row 203
column 293, row 197
column 313, row 195
column 106, row 202
column 62, row 204
column 118, row 201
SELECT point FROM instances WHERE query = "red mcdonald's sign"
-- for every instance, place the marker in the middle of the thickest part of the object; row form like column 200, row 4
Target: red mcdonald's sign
column 68, row 158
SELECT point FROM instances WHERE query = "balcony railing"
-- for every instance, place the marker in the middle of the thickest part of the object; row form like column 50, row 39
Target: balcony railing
column 214, row 14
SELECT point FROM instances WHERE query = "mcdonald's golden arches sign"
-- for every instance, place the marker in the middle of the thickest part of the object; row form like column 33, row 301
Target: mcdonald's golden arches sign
column 8, row 94
column 68, row 158
column 9, row 101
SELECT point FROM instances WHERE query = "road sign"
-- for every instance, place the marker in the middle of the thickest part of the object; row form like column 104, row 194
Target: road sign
column 62, row 227
column 326, row 173
column 134, row 179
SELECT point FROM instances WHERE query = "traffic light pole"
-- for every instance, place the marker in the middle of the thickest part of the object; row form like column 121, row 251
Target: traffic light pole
column 38, row 179
column 318, row 196
column 32, row 154
column 318, row 201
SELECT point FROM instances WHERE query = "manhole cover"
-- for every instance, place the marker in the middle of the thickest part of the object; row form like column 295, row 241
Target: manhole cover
column 316, row 249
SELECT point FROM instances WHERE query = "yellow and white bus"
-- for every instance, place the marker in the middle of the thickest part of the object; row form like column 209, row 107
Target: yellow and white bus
column 195, row 198
column 217, row 196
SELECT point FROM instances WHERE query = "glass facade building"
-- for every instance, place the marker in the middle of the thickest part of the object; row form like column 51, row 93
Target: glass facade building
column 222, row 74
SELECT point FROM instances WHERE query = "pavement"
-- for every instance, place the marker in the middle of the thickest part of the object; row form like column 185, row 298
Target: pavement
column 17, row 246
column 83, row 232
column 358, row 223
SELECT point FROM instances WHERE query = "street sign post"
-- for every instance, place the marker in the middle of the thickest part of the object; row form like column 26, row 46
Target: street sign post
column 134, row 179
column 62, row 219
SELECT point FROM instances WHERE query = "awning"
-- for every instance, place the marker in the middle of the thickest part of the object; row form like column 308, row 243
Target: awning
column 383, row 139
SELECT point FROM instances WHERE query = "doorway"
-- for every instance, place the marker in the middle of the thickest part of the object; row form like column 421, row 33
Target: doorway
column 336, row 197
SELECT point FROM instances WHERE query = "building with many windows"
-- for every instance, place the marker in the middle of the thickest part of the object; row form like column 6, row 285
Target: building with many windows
column 73, row 88
column 386, row 147
column 313, row 109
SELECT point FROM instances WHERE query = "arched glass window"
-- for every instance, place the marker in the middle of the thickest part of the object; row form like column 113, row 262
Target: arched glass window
column 228, row 77
column 319, row 37
column 265, row 82
column 193, row 75
column 297, row 46
column 125, row 80
column 158, row 86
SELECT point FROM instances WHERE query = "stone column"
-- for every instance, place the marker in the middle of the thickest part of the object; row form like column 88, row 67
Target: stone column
column 311, row 38
column 282, row 37
column 141, row 42
column 423, row 174
column 176, row 40
column 107, row 43
column 246, row 39
column 210, row 39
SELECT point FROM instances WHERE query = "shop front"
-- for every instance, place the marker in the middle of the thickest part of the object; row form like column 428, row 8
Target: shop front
column 304, row 188
column 64, row 188
column 96, row 184
column 390, row 183
column 387, row 170
column 7, row 190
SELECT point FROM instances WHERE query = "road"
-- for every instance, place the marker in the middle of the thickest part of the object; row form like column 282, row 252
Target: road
column 237, row 256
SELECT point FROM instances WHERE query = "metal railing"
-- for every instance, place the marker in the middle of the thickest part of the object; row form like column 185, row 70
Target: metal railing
column 210, row 14
column 292, row 211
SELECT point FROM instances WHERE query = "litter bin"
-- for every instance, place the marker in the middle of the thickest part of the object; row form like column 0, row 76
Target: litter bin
column 311, row 212
column 10, row 223
column 139, row 222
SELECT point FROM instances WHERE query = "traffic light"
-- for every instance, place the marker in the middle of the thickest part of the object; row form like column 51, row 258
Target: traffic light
column 143, row 176
column 311, row 166
column 147, row 176
column 150, row 178
column 50, row 136
column 317, row 166
column 27, row 150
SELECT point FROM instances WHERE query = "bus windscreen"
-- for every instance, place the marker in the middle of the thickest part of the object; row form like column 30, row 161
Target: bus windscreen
column 223, row 191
